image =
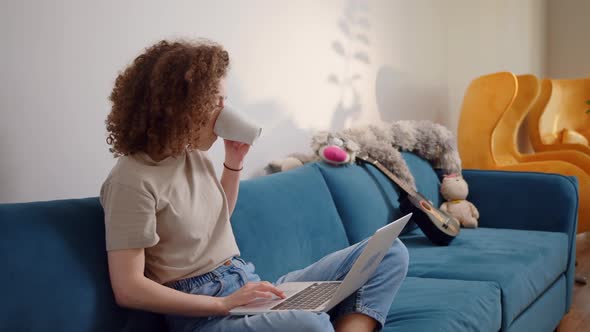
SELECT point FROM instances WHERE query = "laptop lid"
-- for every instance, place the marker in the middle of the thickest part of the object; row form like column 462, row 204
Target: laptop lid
column 366, row 264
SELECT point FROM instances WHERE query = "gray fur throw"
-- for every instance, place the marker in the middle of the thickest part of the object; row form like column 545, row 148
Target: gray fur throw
column 429, row 140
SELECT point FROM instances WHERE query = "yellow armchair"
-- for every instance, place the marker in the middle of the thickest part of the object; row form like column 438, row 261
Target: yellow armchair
column 485, row 100
column 560, row 122
column 494, row 107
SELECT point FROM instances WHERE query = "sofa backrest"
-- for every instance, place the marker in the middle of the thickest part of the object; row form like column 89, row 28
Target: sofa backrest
column 367, row 200
column 54, row 259
column 286, row 221
column 54, row 268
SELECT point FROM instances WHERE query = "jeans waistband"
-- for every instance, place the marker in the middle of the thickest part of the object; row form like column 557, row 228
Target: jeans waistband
column 199, row 280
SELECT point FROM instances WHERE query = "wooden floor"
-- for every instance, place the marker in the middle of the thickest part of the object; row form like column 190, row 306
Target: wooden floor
column 578, row 319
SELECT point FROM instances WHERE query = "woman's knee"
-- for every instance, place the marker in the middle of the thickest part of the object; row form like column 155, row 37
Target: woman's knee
column 398, row 255
column 310, row 321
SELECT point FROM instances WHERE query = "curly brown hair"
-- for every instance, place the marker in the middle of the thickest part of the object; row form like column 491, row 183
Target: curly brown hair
column 163, row 99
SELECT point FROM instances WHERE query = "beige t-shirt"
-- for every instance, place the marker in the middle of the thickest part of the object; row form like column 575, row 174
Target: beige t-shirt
column 175, row 208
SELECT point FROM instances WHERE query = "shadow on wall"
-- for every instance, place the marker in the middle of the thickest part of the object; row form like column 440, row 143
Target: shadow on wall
column 281, row 135
column 401, row 97
column 353, row 48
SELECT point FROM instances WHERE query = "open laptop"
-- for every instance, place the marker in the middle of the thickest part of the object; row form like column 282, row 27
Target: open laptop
column 321, row 296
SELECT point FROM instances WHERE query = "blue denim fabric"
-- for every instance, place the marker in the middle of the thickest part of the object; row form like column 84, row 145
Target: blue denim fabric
column 373, row 299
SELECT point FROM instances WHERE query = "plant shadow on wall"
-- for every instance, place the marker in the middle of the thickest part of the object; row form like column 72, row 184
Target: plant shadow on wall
column 400, row 97
column 353, row 49
column 281, row 135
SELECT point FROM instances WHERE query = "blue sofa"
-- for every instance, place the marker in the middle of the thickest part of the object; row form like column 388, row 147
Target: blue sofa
column 514, row 273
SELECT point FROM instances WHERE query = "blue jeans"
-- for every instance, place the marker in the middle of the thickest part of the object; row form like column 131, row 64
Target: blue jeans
column 373, row 299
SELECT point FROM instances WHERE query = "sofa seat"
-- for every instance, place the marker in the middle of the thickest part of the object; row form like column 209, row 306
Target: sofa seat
column 523, row 263
column 450, row 305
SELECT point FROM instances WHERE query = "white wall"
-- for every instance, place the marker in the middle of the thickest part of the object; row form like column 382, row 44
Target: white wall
column 297, row 67
column 568, row 46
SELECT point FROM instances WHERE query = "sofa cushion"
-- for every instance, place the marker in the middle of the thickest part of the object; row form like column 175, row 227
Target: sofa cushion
column 286, row 221
column 55, row 268
column 546, row 312
column 523, row 263
column 427, row 180
column 367, row 200
column 424, row 304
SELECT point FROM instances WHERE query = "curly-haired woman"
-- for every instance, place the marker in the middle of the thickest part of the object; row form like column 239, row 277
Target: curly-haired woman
column 169, row 240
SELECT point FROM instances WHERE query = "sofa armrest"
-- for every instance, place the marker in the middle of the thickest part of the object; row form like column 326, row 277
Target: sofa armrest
column 524, row 200
column 528, row 201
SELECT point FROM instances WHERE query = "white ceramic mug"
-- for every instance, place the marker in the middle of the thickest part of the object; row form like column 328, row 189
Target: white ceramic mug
column 233, row 126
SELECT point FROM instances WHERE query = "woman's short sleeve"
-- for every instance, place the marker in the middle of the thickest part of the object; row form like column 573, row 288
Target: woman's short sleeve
column 130, row 217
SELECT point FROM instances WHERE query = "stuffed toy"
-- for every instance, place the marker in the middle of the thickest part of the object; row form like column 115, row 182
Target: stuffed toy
column 383, row 142
column 455, row 190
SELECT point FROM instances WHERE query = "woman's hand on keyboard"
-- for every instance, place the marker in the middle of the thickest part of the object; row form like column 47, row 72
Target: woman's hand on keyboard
column 250, row 292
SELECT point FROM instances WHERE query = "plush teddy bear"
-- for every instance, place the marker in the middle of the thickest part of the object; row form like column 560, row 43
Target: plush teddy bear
column 455, row 190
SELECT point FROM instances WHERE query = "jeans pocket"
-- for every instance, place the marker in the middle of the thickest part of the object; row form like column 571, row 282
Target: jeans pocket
column 211, row 288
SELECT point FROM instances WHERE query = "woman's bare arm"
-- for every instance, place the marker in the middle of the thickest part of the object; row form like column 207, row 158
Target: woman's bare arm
column 133, row 290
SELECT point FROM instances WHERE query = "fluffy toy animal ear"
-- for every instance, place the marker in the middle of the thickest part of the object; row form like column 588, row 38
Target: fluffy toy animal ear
column 320, row 139
column 352, row 146
column 335, row 141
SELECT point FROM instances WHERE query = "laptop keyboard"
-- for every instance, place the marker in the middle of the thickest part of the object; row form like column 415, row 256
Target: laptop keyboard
column 309, row 298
